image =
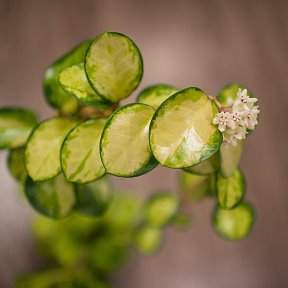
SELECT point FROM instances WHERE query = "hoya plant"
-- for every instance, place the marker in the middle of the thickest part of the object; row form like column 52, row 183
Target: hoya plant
column 65, row 163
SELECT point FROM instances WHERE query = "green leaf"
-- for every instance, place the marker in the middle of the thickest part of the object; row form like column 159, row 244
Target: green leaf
column 122, row 214
column 65, row 242
column 107, row 256
column 93, row 199
column 230, row 191
column 197, row 186
column 54, row 198
column 80, row 155
column 148, row 240
column 63, row 247
column 181, row 131
column 54, row 94
column 228, row 94
column 230, row 156
column 74, row 81
column 207, row 167
column 160, row 209
column 42, row 155
column 16, row 164
column 15, row 127
column 114, row 66
column 124, row 145
column 234, row 224
column 156, row 94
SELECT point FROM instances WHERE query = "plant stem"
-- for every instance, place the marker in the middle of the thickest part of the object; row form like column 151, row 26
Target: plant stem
column 219, row 105
column 87, row 111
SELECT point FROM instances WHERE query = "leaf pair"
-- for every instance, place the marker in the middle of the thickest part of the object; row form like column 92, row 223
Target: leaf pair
column 54, row 93
column 229, row 192
column 58, row 198
column 232, row 219
column 178, row 134
column 97, row 73
column 47, row 190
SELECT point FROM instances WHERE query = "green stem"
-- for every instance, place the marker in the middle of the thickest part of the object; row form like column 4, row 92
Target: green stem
column 86, row 111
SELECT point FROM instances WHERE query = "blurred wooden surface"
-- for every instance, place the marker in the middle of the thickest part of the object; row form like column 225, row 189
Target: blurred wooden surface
column 186, row 43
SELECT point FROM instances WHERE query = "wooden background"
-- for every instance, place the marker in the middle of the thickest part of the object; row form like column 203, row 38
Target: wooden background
column 185, row 43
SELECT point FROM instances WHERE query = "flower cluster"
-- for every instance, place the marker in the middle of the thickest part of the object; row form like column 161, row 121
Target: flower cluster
column 234, row 125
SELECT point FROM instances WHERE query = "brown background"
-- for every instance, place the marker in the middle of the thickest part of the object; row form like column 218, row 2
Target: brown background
column 185, row 43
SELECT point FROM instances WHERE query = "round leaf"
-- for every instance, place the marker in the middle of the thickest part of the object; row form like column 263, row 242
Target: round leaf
column 74, row 81
column 43, row 148
column 181, row 131
column 16, row 164
column 160, row 209
column 155, row 95
column 234, row 224
column 80, row 155
column 196, row 186
column 230, row 156
column 54, row 198
column 53, row 92
column 230, row 191
column 15, row 127
column 114, row 66
column 122, row 213
column 124, row 144
column 107, row 256
column 148, row 240
column 228, row 94
column 94, row 198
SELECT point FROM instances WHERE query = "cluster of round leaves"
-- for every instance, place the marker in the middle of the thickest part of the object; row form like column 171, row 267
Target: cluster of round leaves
column 166, row 126
column 85, row 251
column 220, row 177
